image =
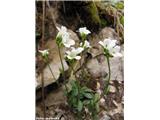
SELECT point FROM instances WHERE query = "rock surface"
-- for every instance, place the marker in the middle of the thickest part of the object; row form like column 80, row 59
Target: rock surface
column 100, row 68
column 55, row 65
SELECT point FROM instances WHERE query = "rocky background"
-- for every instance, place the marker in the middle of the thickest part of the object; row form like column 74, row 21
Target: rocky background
column 103, row 19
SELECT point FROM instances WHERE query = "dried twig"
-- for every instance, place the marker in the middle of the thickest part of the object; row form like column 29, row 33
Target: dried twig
column 51, row 12
column 42, row 80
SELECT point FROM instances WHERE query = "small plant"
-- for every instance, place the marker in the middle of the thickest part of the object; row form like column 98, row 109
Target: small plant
column 110, row 50
column 81, row 99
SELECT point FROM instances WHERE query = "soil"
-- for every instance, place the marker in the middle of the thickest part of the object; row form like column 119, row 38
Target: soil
column 56, row 105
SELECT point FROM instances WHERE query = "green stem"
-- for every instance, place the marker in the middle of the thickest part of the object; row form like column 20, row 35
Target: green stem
column 63, row 74
column 109, row 76
column 80, row 62
column 83, row 41
column 51, row 71
column 71, row 64
column 47, row 62
column 108, row 80
column 61, row 59
column 78, row 98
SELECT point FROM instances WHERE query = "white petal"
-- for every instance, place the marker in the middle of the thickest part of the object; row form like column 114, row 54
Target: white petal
column 68, row 52
column 106, row 41
column 84, row 30
column 111, row 44
column 71, row 42
column 78, row 57
column 58, row 28
column 44, row 52
column 101, row 43
column 69, row 57
column 117, row 48
column 66, row 45
column 81, row 44
column 72, row 48
column 87, row 44
column 63, row 28
column 117, row 54
column 79, row 50
column 40, row 51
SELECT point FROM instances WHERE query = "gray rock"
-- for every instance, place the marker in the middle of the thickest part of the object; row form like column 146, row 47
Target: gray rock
column 108, row 32
column 99, row 68
column 95, row 68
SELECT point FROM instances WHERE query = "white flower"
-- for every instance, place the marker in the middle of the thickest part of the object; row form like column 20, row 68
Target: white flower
column 111, row 46
column 62, row 31
column 66, row 41
column 44, row 52
column 86, row 44
column 73, row 54
column 84, row 30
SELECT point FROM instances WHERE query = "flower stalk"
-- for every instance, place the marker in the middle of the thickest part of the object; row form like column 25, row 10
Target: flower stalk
column 45, row 54
column 109, row 76
column 84, row 44
column 63, row 72
column 51, row 71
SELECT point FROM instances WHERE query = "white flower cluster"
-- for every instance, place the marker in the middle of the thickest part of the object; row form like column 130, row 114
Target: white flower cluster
column 73, row 53
column 84, row 31
column 111, row 47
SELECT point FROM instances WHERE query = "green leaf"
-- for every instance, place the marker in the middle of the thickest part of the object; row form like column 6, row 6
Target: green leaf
column 37, row 34
column 120, row 5
column 85, row 89
column 86, row 102
column 80, row 106
column 74, row 91
column 122, row 20
column 74, row 102
column 88, row 95
column 97, row 107
column 106, row 90
column 81, row 96
column 96, row 97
